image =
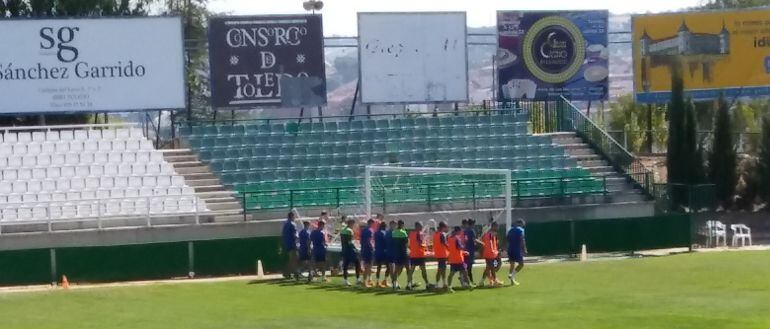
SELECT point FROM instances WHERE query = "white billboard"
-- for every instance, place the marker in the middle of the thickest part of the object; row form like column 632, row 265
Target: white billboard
column 418, row 57
column 91, row 65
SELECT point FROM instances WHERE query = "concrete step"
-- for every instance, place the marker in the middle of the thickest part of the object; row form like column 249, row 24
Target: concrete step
column 224, row 206
column 184, row 171
column 197, row 176
column 172, row 152
column 202, row 182
column 211, row 200
column 181, row 158
column 230, row 218
column 209, row 188
column 218, row 194
column 188, row 164
column 598, row 170
column 592, row 163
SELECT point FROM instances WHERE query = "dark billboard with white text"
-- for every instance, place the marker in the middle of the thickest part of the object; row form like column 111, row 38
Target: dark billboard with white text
column 260, row 61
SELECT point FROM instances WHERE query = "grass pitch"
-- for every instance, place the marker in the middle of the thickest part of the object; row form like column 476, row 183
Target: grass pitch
column 704, row 290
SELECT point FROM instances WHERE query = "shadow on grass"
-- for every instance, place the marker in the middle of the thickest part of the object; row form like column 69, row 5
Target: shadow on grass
column 376, row 291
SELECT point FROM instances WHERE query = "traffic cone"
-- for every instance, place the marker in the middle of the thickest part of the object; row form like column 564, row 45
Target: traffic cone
column 583, row 254
column 260, row 271
column 65, row 284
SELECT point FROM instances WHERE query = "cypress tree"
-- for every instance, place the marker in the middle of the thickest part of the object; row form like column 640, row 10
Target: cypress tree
column 723, row 158
column 693, row 171
column 675, row 126
column 763, row 163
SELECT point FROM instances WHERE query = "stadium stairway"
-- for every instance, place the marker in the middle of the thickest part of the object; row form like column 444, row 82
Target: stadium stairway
column 207, row 186
column 620, row 190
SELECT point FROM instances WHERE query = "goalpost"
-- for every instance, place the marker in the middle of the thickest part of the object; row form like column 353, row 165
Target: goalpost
column 431, row 170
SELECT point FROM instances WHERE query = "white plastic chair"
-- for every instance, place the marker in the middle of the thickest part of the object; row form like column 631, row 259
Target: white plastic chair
column 48, row 148
column 25, row 174
column 38, row 173
column 49, row 185
column 61, row 147
column 5, row 187
column 52, row 136
column 34, row 186
column 66, row 135
column 81, row 135
column 38, row 136
column 29, row 160
column 10, row 137
column 740, row 232
column 34, row 148
column 108, row 134
column 24, row 137
column 43, row 160
column 716, row 230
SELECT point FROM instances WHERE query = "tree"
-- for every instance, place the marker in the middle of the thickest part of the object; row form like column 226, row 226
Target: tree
column 722, row 161
column 724, row 4
column 632, row 118
column 763, row 165
column 693, row 170
column 676, row 125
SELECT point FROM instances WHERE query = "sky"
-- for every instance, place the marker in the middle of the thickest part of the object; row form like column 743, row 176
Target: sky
column 340, row 15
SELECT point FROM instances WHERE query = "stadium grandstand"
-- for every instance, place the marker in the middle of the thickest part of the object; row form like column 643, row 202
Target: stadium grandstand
column 285, row 164
column 90, row 177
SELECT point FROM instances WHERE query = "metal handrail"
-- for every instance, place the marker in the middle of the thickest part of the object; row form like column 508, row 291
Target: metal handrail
column 367, row 116
column 101, row 206
column 624, row 161
column 62, row 127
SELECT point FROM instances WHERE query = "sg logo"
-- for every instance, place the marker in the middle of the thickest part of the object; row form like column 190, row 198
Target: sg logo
column 60, row 39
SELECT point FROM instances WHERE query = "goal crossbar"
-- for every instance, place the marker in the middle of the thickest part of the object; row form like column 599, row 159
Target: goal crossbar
column 434, row 170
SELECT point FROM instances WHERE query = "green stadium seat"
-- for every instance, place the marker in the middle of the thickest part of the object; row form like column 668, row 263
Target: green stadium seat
column 332, row 155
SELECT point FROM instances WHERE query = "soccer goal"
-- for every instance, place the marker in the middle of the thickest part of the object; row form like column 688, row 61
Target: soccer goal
column 372, row 171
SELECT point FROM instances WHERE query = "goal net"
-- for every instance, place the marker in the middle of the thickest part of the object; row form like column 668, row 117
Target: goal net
column 397, row 187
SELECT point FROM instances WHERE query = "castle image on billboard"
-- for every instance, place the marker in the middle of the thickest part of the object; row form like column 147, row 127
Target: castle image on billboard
column 697, row 49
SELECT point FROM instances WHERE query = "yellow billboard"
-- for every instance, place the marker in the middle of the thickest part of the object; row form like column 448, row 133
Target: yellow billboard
column 719, row 52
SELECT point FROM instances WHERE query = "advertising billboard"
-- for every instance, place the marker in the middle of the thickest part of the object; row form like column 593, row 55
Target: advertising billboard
column 413, row 58
column 547, row 54
column 91, row 65
column 719, row 52
column 275, row 60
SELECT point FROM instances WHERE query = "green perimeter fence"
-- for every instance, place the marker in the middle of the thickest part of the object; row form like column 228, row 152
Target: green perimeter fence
column 239, row 256
column 472, row 191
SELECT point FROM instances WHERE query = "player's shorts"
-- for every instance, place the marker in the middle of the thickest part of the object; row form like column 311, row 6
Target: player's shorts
column 319, row 257
column 441, row 263
column 469, row 260
column 491, row 262
column 367, row 256
column 350, row 257
column 381, row 259
column 515, row 256
column 416, row 261
column 304, row 255
column 400, row 260
column 457, row 267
